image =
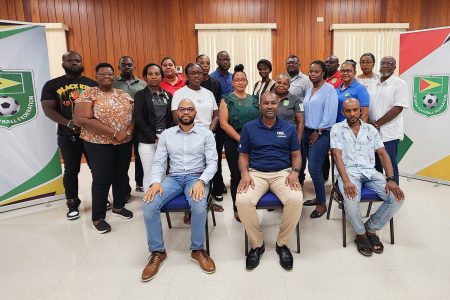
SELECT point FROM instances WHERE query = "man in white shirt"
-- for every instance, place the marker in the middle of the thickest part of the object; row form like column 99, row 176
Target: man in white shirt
column 388, row 97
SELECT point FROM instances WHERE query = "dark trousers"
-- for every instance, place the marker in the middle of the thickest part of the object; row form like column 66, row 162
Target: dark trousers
column 138, row 171
column 301, row 175
column 109, row 165
column 391, row 149
column 217, row 181
column 232, row 156
column 326, row 167
column 71, row 148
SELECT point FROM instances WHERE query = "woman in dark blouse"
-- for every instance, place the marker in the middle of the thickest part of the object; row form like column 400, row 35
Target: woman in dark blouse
column 152, row 116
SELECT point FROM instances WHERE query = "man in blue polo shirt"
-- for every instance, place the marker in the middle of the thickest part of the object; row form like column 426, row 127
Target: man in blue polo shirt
column 269, row 159
column 221, row 74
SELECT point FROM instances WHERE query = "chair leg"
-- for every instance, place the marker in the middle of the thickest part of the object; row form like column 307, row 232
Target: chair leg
column 168, row 220
column 368, row 209
column 246, row 243
column 298, row 237
column 344, row 229
column 391, row 223
column 207, row 235
column 329, row 204
column 213, row 215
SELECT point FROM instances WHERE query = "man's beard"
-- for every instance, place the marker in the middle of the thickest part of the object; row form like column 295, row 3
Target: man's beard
column 74, row 71
column 191, row 120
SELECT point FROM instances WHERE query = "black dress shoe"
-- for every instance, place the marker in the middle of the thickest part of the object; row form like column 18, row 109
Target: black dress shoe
column 253, row 257
column 286, row 260
column 224, row 191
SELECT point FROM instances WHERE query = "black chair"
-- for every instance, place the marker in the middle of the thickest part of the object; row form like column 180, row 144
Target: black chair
column 180, row 204
column 367, row 196
column 270, row 201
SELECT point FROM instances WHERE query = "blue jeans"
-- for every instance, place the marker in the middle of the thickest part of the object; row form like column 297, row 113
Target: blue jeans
column 174, row 186
column 391, row 149
column 384, row 213
column 316, row 154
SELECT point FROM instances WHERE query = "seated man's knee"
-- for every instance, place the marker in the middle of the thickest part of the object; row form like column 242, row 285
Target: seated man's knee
column 199, row 207
column 243, row 199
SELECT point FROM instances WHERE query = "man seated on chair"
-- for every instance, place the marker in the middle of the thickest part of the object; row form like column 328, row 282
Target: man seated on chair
column 192, row 154
column 354, row 144
column 269, row 159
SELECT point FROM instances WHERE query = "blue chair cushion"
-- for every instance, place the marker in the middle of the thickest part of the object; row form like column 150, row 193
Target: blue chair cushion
column 366, row 194
column 178, row 203
column 269, row 200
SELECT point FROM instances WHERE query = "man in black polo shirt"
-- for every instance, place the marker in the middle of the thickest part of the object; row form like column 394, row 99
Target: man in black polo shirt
column 269, row 159
column 58, row 96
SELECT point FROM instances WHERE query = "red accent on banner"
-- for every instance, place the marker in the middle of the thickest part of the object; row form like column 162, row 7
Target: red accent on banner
column 423, row 84
column 415, row 46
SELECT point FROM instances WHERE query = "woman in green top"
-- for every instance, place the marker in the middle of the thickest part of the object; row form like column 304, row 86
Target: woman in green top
column 236, row 109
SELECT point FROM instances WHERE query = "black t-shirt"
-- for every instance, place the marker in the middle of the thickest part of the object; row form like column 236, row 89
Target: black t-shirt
column 214, row 86
column 65, row 91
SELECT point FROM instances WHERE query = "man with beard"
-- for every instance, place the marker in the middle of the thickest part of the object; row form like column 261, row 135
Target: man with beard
column 58, row 96
column 354, row 144
column 300, row 83
column 129, row 83
column 388, row 97
column 333, row 75
column 269, row 159
column 192, row 155
column 218, row 187
column 221, row 74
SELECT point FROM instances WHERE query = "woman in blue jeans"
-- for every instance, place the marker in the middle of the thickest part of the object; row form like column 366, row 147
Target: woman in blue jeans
column 320, row 106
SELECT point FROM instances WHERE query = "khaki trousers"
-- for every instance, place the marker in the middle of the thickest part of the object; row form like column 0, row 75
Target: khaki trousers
column 291, row 199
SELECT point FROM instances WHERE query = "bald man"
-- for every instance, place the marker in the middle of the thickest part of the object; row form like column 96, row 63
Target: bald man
column 192, row 154
column 353, row 144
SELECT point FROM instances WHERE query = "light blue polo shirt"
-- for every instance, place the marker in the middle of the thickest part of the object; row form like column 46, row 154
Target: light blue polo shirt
column 269, row 149
column 355, row 90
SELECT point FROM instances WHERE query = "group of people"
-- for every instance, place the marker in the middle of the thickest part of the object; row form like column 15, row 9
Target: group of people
column 179, row 126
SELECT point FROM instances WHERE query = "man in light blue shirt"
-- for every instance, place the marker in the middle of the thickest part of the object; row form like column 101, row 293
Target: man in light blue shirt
column 354, row 144
column 193, row 162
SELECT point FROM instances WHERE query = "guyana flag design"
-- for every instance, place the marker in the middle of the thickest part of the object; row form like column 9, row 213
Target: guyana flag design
column 430, row 95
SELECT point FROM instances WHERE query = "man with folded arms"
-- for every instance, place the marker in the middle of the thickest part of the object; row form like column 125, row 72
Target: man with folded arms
column 191, row 150
column 353, row 144
column 269, row 159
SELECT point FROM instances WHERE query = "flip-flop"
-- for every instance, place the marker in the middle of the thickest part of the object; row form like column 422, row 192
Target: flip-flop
column 363, row 245
column 217, row 207
column 377, row 246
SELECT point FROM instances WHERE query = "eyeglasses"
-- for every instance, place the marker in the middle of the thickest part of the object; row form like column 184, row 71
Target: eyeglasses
column 346, row 71
column 186, row 109
column 195, row 73
column 240, row 80
column 223, row 59
column 105, row 75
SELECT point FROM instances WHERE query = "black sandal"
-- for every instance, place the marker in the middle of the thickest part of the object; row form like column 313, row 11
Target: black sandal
column 377, row 246
column 363, row 245
column 312, row 202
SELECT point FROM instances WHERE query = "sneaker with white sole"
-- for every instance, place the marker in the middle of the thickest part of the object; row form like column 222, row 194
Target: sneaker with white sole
column 123, row 213
column 108, row 205
column 102, row 226
column 73, row 213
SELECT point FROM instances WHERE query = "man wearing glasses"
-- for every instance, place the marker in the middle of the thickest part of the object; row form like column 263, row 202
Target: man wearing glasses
column 388, row 97
column 191, row 150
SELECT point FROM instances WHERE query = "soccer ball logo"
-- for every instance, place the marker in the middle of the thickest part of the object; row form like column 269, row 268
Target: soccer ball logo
column 8, row 106
column 429, row 100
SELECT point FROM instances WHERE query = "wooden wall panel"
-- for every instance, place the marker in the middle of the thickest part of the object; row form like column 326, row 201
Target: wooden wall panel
column 148, row 30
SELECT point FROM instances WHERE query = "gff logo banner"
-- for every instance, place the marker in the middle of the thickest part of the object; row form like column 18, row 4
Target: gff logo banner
column 17, row 98
column 430, row 95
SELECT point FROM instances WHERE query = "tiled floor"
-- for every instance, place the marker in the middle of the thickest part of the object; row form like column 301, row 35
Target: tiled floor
column 44, row 256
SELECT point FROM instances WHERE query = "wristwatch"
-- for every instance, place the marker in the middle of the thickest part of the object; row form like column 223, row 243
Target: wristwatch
column 296, row 170
column 392, row 178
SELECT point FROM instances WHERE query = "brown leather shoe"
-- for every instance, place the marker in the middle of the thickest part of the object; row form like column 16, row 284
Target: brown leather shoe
column 154, row 263
column 204, row 261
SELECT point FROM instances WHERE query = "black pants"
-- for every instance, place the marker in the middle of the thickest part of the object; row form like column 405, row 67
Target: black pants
column 232, row 156
column 301, row 175
column 138, row 171
column 217, row 181
column 71, row 148
column 109, row 165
